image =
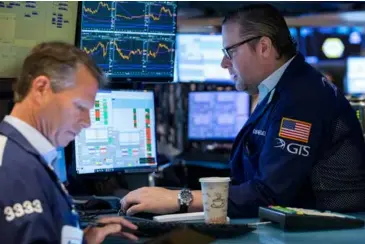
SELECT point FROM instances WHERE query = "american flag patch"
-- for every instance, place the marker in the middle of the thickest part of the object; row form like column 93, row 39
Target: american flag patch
column 295, row 130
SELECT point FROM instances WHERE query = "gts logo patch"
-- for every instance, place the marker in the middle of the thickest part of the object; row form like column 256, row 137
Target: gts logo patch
column 293, row 148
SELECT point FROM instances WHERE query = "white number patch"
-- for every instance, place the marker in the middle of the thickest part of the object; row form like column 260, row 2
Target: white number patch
column 28, row 208
column 19, row 210
column 9, row 214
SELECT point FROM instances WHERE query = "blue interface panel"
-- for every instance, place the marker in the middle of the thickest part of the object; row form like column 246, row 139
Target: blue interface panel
column 330, row 43
column 199, row 57
column 130, row 39
column 122, row 134
column 355, row 75
column 217, row 115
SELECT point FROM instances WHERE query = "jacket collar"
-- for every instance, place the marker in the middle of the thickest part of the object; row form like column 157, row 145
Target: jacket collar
column 14, row 135
column 286, row 78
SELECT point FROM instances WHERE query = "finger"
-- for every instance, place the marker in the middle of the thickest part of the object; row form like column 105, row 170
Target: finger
column 117, row 220
column 122, row 204
column 129, row 200
column 109, row 229
column 135, row 209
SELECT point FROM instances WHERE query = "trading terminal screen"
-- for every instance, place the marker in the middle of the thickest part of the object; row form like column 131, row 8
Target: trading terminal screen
column 355, row 75
column 130, row 39
column 25, row 24
column 217, row 115
column 122, row 134
column 199, row 57
column 330, row 43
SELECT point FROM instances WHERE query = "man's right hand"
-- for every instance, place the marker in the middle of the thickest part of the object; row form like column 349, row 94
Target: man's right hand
column 155, row 200
column 114, row 225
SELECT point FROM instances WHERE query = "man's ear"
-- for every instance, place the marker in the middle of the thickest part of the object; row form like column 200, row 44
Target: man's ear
column 40, row 87
column 265, row 47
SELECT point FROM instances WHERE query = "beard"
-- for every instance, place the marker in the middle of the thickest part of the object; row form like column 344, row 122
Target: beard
column 248, row 88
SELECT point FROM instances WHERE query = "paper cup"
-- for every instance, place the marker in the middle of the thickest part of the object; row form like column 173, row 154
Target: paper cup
column 215, row 199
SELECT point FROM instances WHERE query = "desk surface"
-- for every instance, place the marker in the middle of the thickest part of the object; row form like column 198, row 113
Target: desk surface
column 267, row 234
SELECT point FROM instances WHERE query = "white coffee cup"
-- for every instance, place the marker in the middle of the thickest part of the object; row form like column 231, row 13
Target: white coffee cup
column 215, row 199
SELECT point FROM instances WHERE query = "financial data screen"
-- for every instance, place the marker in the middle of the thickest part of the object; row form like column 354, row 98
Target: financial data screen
column 25, row 24
column 331, row 43
column 122, row 134
column 199, row 57
column 130, row 39
column 217, row 115
column 355, row 75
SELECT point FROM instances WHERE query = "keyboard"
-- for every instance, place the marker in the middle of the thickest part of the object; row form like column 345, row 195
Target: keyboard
column 97, row 212
column 150, row 228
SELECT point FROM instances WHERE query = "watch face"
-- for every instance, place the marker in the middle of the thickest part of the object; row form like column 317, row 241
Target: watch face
column 185, row 196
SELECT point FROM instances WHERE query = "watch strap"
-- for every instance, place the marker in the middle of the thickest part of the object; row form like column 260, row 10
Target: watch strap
column 183, row 208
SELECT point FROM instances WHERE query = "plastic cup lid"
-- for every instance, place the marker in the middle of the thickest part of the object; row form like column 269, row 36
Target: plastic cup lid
column 214, row 179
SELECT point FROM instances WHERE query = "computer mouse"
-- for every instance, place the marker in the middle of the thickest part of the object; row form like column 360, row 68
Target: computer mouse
column 97, row 204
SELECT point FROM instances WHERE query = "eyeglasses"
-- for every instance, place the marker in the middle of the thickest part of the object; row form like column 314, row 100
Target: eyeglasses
column 227, row 49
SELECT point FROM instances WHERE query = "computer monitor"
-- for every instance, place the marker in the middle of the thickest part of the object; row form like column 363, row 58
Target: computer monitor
column 199, row 57
column 25, row 24
column 60, row 165
column 122, row 134
column 320, row 44
column 217, row 116
column 355, row 75
column 130, row 41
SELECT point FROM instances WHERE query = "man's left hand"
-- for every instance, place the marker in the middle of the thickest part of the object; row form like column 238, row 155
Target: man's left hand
column 114, row 226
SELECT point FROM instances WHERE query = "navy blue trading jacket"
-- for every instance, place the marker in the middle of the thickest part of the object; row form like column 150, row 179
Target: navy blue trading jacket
column 34, row 207
column 301, row 147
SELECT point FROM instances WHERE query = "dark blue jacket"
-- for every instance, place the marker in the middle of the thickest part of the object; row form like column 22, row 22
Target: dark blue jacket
column 301, row 147
column 34, row 207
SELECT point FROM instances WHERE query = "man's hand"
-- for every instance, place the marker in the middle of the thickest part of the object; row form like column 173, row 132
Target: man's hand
column 115, row 225
column 152, row 200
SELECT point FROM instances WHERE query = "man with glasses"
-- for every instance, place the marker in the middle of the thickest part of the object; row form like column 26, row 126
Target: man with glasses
column 301, row 147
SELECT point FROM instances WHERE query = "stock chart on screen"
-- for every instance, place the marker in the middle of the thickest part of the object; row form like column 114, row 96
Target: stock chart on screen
column 130, row 39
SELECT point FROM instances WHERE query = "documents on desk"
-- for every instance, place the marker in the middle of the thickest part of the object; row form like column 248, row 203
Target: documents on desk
column 184, row 217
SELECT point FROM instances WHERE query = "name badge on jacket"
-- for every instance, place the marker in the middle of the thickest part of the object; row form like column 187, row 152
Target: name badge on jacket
column 71, row 235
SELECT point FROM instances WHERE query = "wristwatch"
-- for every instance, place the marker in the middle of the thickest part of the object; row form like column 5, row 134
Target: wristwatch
column 185, row 197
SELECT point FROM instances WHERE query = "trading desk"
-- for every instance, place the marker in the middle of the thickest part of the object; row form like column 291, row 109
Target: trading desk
column 267, row 234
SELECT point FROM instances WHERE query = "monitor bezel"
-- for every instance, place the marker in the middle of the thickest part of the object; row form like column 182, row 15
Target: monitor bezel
column 131, row 170
column 115, row 81
column 213, row 139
